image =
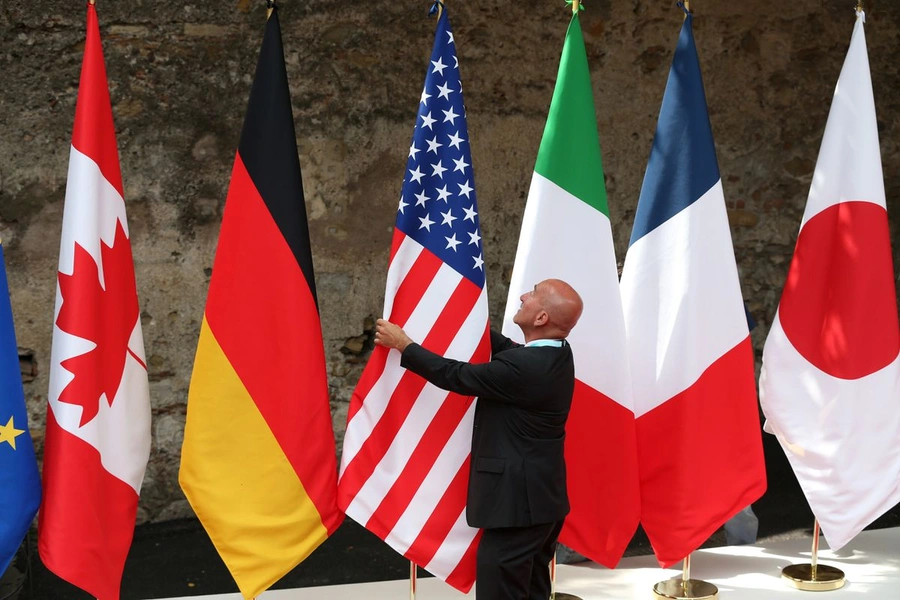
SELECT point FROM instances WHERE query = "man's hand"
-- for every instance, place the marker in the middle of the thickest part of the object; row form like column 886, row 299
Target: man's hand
column 391, row 336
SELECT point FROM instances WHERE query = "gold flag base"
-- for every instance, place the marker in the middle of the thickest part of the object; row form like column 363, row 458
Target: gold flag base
column 678, row 589
column 823, row 579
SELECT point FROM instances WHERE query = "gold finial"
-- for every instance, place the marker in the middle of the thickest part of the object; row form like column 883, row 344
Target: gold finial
column 270, row 8
column 91, row 2
column 575, row 6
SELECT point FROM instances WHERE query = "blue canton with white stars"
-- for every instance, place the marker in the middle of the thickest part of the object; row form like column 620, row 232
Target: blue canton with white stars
column 437, row 203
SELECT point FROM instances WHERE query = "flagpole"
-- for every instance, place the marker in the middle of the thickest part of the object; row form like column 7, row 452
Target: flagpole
column 554, row 595
column 270, row 7
column 413, row 575
column 813, row 577
column 685, row 587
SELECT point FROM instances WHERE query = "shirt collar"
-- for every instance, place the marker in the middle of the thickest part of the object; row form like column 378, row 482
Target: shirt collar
column 553, row 343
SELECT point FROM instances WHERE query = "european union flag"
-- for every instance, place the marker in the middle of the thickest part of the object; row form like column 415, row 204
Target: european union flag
column 20, row 484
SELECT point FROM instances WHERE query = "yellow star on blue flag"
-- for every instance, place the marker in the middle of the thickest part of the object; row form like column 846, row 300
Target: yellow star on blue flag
column 20, row 484
column 9, row 433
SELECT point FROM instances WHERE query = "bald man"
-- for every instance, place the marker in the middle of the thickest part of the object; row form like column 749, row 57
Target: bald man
column 517, row 478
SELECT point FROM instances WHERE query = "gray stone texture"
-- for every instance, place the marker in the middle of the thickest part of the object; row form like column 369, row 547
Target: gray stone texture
column 180, row 75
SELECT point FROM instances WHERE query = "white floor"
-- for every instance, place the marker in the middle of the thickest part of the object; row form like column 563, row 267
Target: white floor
column 871, row 564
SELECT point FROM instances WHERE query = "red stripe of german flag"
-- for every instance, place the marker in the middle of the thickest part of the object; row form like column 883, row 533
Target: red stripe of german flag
column 258, row 463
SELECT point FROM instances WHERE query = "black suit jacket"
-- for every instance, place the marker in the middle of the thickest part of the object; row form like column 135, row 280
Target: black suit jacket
column 517, row 475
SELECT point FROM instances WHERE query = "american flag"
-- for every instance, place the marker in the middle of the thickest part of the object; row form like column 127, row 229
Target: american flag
column 405, row 463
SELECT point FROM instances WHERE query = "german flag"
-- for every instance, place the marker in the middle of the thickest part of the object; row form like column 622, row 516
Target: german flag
column 258, row 462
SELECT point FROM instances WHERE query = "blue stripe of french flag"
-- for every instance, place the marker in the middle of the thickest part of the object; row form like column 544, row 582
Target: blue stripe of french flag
column 698, row 431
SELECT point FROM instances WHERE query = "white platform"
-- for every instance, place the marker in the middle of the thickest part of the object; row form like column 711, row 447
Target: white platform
column 871, row 564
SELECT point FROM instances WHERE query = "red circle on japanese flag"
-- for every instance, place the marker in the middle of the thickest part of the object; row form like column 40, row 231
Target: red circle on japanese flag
column 839, row 307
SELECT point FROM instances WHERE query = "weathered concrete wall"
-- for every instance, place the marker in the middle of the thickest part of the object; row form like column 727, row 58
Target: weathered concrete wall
column 180, row 75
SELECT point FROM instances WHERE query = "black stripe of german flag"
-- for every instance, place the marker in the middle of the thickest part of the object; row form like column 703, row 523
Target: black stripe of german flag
column 268, row 148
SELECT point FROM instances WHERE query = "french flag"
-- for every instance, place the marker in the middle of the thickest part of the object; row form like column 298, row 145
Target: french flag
column 698, row 434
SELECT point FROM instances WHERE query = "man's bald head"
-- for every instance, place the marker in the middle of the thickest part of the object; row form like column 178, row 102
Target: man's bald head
column 562, row 303
column 550, row 310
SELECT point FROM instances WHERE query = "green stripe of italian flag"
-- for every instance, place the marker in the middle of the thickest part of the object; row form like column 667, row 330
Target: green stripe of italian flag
column 566, row 234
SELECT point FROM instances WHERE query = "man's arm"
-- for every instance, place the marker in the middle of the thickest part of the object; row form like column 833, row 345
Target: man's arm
column 497, row 378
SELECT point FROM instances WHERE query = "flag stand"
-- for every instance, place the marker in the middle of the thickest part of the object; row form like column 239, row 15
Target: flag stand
column 412, row 580
column 813, row 577
column 554, row 595
column 685, row 587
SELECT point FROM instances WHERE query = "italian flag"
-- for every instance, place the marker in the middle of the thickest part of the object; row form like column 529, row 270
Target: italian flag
column 566, row 234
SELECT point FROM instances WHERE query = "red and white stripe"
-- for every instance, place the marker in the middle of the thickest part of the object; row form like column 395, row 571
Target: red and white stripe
column 405, row 460
column 92, row 472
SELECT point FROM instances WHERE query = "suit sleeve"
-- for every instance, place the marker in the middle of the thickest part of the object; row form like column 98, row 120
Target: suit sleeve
column 497, row 379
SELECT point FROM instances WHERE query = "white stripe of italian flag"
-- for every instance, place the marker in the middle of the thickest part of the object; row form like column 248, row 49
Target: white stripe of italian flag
column 566, row 234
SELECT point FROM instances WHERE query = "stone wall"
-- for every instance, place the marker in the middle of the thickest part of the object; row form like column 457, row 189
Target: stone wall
column 180, row 75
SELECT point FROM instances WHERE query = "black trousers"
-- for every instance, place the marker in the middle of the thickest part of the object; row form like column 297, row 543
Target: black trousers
column 514, row 562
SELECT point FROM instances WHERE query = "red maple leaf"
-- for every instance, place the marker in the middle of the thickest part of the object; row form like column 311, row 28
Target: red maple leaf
column 105, row 315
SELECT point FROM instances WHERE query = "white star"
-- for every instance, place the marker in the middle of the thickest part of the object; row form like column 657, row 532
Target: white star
column 426, row 223
column 413, row 151
column 416, row 175
column 461, row 164
column 478, row 263
column 402, row 205
column 470, row 213
column 438, row 170
column 452, row 242
column 421, row 198
column 455, row 140
column 445, row 91
column 425, row 97
column 439, row 66
column 449, row 115
column 474, row 238
column 427, row 121
column 433, row 145
column 443, row 194
column 450, row 41
column 464, row 188
column 456, row 65
column 448, row 218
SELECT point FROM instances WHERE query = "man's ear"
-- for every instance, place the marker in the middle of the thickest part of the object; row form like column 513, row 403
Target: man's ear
column 541, row 319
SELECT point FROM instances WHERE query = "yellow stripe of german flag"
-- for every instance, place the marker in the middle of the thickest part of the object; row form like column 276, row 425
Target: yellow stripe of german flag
column 233, row 477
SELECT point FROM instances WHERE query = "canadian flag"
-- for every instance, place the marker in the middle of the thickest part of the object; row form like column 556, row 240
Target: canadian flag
column 830, row 381
column 98, row 420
